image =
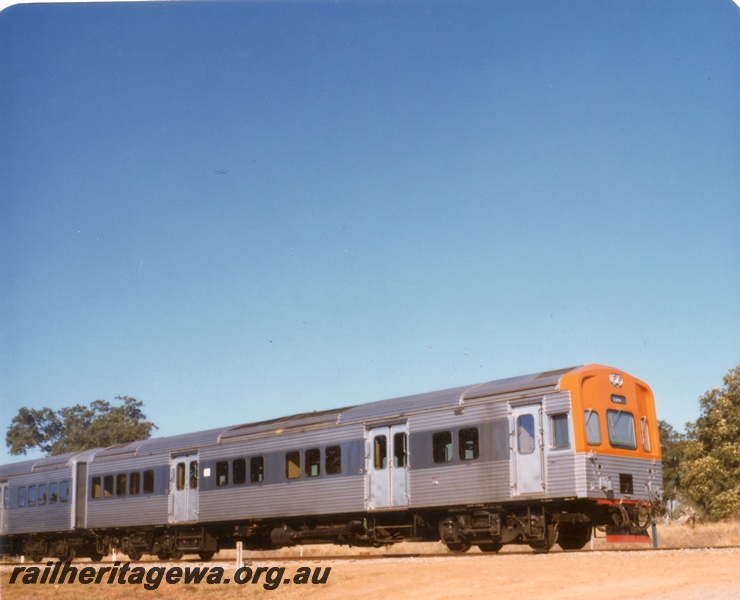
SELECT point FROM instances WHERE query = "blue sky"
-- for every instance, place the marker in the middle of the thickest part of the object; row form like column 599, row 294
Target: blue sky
column 236, row 211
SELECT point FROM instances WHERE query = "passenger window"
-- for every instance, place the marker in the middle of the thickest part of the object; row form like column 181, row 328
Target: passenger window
column 313, row 462
column 148, row 482
column 593, row 428
column 442, row 446
column 621, row 429
column 121, row 484
column 645, row 430
column 64, row 491
column 293, row 464
column 134, row 483
column 107, row 486
column 97, row 488
column 53, row 496
column 21, row 497
column 468, row 443
column 193, row 475
column 399, row 450
column 256, row 469
column 42, row 494
column 380, row 452
column 31, row 495
column 222, row 473
column 525, row 434
column 559, row 431
column 239, row 471
column 333, row 458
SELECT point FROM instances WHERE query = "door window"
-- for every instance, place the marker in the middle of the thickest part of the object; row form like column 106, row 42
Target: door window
column 380, row 452
column 194, row 475
column 525, row 434
column 180, row 476
column 399, row 450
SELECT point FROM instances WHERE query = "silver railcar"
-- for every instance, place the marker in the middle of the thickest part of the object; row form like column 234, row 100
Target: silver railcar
column 534, row 460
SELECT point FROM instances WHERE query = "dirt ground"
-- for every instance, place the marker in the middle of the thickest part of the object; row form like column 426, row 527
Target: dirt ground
column 670, row 575
column 664, row 575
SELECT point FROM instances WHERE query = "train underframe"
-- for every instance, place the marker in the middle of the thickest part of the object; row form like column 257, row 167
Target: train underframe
column 540, row 525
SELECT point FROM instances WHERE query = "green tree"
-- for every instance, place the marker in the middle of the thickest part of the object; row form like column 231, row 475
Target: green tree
column 710, row 474
column 78, row 427
column 673, row 450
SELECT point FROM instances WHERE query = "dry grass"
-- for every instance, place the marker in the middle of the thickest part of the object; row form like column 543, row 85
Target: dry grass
column 709, row 535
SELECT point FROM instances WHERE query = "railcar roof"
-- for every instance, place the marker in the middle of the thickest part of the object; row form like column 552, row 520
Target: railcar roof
column 380, row 409
column 390, row 408
column 452, row 397
column 162, row 444
column 45, row 463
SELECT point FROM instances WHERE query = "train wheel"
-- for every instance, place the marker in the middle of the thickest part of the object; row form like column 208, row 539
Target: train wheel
column 36, row 557
column 68, row 556
column 206, row 556
column 135, row 555
column 575, row 536
column 96, row 556
column 551, row 538
column 176, row 554
column 490, row 547
column 461, row 546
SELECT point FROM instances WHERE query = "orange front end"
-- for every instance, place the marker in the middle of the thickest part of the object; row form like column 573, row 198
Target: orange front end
column 618, row 413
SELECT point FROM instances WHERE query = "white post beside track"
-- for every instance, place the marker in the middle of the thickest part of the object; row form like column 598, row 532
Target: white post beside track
column 239, row 555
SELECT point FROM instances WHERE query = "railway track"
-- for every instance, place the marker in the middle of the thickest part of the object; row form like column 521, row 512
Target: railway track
column 415, row 555
column 257, row 559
